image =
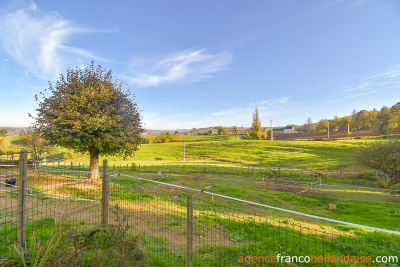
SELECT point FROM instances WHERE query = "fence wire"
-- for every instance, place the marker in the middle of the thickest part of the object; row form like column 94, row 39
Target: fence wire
column 226, row 230
column 176, row 225
column 52, row 193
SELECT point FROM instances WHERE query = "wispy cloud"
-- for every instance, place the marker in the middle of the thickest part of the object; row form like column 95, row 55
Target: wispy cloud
column 229, row 112
column 352, row 96
column 37, row 40
column 391, row 73
column 184, row 66
column 362, row 86
column 262, row 105
column 373, row 83
column 272, row 102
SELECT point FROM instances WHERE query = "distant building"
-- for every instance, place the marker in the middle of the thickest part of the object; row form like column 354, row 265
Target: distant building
column 286, row 130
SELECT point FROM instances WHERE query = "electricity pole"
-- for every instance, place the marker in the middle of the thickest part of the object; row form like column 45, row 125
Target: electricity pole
column 272, row 131
column 328, row 129
column 348, row 130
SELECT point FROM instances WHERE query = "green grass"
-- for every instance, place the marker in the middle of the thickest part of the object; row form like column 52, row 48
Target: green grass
column 228, row 151
column 362, row 207
column 261, row 231
column 15, row 140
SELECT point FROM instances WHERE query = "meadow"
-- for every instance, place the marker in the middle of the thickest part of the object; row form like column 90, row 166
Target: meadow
column 229, row 151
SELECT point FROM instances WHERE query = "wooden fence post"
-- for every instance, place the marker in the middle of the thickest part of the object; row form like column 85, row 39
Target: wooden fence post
column 21, row 183
column 189, row 232
column 105, row 195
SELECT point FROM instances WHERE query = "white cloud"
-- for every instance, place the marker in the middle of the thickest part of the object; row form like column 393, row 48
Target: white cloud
column 5, row 59
column 233, row 111
column 262, row 105
column 272, row 102
column 362, row 86
column 184, row 66
column 373, row 83
column 352, row 96
column 156, row 121
column 393, row 72
column 36, row 39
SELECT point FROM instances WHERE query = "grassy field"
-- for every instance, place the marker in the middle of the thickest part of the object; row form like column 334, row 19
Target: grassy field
column 246, row 228
column 228, row 151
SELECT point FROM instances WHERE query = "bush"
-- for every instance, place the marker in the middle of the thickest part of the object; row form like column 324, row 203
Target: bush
column 6, row 146
column 383, row 157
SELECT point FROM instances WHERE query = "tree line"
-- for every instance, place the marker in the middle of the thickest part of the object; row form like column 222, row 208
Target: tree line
column 381, row 121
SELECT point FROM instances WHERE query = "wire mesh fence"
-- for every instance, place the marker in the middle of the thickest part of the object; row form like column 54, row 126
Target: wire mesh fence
column 273, row 177
column 176, row 225
column 312, row 174
column 182, row 225
column 34, row 196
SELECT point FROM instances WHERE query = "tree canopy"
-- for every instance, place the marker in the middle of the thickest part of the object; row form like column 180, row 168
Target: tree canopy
column 384, row 157
column 35, row 143
column 88, row 110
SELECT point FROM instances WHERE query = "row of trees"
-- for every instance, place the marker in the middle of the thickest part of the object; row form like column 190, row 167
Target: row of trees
column 382, row 121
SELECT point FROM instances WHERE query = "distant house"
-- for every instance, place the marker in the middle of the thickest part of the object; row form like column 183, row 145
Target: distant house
column 286, row 130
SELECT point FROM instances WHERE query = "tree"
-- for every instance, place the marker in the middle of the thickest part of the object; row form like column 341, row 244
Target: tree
column 321, row 126
column 35, row 142
column 383, row 157
column 396, row 114
column 223, row 130
column 89, row 111
column 3, row 132
column 384, row 120
column 235, row 130
column 265, row 133
column 310, row 127
column 256, row 132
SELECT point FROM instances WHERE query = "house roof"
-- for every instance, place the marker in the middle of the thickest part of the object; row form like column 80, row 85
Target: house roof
column 289, row 127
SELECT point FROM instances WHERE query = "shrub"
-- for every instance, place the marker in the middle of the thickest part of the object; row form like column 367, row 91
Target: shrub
column 384, row 157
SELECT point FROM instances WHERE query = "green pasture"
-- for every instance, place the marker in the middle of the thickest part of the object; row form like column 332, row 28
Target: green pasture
column 228, row 151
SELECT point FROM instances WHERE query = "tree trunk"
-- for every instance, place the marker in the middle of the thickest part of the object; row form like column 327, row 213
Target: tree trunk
column 94, row 164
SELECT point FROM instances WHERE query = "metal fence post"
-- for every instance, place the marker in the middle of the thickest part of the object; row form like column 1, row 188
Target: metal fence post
column 21, row 183
column 189, row 232
column 105, row 196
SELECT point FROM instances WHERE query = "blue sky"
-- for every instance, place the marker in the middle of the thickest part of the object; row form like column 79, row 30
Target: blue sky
column 195, row 64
